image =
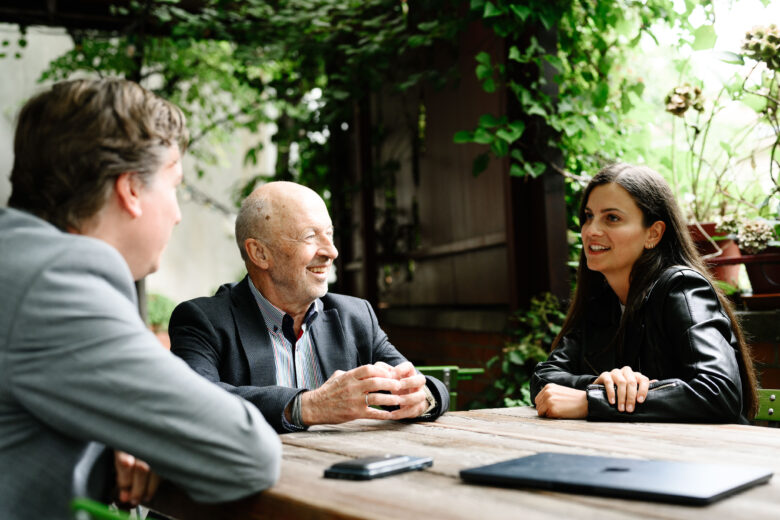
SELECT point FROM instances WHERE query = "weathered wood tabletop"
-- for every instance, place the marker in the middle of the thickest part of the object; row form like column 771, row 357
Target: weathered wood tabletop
column 465, row 439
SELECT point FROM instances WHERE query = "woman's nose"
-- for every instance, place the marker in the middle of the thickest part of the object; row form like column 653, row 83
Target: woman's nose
column 591, row 228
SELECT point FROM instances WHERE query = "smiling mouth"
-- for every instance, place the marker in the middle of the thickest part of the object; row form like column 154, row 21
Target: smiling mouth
column 598, row 248
column 319, row 269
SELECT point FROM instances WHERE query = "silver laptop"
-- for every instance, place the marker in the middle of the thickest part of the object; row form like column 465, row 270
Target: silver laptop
column 654, row 480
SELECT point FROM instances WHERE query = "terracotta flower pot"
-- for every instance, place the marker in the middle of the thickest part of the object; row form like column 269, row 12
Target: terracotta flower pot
column 764, row 271
column 724, row 273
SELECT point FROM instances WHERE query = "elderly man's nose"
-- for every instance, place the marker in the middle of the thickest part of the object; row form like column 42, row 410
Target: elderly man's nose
column 330, row 251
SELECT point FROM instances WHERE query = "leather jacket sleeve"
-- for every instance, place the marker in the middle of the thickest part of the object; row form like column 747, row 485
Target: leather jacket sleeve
column 683, row 313
column 563, row 367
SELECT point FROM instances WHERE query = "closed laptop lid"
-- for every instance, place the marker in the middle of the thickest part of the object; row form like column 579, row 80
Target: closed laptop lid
column 655, row 480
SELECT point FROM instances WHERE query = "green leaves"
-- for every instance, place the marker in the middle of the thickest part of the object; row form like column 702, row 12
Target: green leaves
column 480, row 164
column 490, row 121
column 704, row 38
column 533, row 330
column 521, row 11
column 534, row 169
column 484, row 72
column 732, row 58
column 600, row 94
column 756, row 102
column 463, row 136
column 491, row 10
column 512, row 132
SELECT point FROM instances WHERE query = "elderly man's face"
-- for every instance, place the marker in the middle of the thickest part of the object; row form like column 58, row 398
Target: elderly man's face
column 303, row 252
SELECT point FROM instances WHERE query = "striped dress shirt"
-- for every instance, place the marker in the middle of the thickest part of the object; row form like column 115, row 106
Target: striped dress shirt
column 295, row 359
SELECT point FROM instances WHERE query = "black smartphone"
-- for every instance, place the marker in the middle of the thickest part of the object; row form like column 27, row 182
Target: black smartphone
column 367, row 468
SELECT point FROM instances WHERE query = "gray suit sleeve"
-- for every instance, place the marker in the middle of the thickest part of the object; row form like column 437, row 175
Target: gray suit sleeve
column 83, row 362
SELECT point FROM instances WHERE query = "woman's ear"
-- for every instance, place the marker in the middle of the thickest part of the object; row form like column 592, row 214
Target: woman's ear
column 655, row 233
column 128, row 189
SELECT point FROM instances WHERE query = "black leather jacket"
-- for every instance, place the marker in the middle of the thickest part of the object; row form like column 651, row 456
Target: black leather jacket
column 680, row 336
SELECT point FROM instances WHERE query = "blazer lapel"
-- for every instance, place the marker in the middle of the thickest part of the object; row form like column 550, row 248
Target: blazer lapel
column 253, row 335
column 332, row 349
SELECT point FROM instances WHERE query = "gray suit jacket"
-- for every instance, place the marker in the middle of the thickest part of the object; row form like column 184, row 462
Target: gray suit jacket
column 78, row 364
column 224, row 338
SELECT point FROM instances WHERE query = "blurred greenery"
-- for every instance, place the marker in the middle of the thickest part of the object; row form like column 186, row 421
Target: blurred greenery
column 159, row 309
column 302, row 65
column 531, row 335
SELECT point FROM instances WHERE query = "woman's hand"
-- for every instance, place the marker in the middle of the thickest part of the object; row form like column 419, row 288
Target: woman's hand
column 561, row 402
column 631, row 387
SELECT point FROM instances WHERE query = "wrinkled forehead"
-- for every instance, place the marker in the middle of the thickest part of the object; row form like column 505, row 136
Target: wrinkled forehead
column 301, row 210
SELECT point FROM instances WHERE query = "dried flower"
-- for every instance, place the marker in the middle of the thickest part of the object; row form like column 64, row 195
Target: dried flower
column 762, row 44
column 729, row 224
column 754, row 235
column 683, row 97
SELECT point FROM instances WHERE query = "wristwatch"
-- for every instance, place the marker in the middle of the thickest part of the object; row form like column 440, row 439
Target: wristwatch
column 431, row 402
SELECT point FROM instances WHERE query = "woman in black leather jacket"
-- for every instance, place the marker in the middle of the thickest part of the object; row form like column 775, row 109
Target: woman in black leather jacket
column 647, row 336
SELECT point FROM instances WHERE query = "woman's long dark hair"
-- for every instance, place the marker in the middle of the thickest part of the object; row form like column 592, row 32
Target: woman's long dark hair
column 655, row 199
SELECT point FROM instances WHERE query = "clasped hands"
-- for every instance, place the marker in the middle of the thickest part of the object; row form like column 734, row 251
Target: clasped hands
column 350, row 395
column 625, row 389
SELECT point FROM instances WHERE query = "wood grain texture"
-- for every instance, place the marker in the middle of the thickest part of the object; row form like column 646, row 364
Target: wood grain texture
column 465, row 439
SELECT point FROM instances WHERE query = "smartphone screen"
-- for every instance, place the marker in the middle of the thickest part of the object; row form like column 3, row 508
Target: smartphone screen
column 379, row 466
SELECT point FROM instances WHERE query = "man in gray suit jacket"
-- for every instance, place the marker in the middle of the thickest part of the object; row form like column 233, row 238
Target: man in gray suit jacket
column 96, row 166
column 302, row 356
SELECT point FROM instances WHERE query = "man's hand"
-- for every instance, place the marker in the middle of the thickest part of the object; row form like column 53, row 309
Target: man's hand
column 136, row 481
column 349, row 395
column 561, row 402
column 412, row 392
column 631, row 387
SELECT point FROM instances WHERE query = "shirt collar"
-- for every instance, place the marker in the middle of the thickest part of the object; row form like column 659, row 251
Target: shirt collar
column 274, row 316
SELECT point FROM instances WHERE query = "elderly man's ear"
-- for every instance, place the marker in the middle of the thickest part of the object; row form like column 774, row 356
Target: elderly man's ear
column 257, row 252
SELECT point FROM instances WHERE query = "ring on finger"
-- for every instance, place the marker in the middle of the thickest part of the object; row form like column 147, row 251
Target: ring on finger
column 367, row 405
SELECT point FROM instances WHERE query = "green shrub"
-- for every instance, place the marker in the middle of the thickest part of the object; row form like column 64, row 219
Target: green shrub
column 159, row 309
column 531, row 336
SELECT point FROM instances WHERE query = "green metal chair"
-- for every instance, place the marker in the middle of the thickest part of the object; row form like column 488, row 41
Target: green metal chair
column 450, row 375
column 768, row 405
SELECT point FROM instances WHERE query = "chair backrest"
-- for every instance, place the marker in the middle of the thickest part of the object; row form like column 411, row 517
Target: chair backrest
column 93, row 484
column 768, row 404
column 450, row 375
column 93, row 475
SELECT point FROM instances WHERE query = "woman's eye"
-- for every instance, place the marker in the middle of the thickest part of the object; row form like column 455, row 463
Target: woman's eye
column 613, row 218
column 588, row 216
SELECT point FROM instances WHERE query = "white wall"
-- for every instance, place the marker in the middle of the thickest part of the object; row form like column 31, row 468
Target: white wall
column 18, row 81
column 202, row 253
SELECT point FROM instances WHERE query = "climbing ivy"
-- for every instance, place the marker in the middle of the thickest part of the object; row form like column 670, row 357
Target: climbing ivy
column 301, row 64
column 580, row 85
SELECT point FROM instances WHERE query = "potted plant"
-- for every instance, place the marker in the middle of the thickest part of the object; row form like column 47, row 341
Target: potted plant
column 721, row 172
column 759, row 241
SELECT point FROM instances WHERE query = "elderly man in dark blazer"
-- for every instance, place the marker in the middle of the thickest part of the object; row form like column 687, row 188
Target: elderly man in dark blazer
column 276, row 338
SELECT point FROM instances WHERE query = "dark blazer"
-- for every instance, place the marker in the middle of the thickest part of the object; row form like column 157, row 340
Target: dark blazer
column 224, row 339
column 681, row 336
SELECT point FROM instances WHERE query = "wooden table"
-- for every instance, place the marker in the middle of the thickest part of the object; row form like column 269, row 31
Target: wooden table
column 465, row 439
